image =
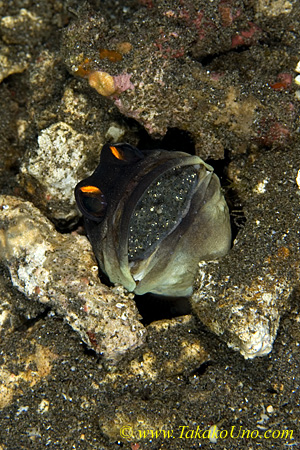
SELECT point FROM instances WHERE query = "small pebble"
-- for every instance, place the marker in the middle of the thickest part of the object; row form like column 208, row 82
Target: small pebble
column 213, row 434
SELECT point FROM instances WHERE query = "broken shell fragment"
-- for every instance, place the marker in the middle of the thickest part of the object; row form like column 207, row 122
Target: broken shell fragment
column 153, row 215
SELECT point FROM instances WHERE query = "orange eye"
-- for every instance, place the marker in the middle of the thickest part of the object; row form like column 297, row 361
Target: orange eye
column 92, row 190
column 119, row 154
column 91, row 202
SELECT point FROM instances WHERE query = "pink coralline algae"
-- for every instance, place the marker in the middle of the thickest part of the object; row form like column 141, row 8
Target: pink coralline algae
column 108, row 85
column 167, row 46
column 246, row 37
column 272, row 132
column 122, row 82
column 227, row 14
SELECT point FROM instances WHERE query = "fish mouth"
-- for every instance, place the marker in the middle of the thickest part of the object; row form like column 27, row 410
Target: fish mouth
column 165, row 212
column 158, row 202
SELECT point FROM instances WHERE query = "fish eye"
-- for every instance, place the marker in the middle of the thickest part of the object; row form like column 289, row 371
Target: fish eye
column 124, row 153
column 91, row 202
column 117, row 152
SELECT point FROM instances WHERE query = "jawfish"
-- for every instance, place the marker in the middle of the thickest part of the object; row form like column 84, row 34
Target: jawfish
column 152, row 216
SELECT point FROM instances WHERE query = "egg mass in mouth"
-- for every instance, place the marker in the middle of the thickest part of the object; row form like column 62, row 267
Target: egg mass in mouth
column 160, row 209
column 152, row 217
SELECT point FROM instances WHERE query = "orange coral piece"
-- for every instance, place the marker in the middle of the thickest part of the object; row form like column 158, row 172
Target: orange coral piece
column 84, row 69
column 124, row 47
column 279, row 85
column 111, row 55
column 102, row 82
column 284, row 81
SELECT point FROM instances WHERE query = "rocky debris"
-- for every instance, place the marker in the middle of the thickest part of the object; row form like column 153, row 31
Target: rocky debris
column 177, row 73
column 174, row 348
column 22, row 32
column 21, row 28
column 11, row 61
column 243, row 297
column 272, row 8
column 12, row 130
column 223, row 72
column 60, row 272
column 39, row 357
column 171, row 66
column 50, row 173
